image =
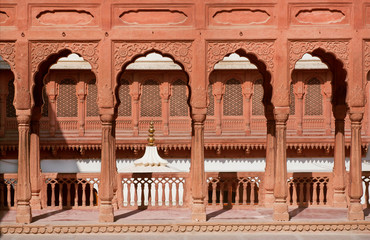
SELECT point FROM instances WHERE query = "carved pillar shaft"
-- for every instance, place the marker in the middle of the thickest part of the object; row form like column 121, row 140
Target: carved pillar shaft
column 270, row 164
column 355, row 211
column 328, row 115
column 218, row 115
column 339, row 170
column 197, row 172
column 52, row 94
column 135, row 97
column 24, row 214
column 247, row 114
column 106, row 173
column 299, row 114
column 35, row 168
column 81, row 94
column 165, row 94
column 281, row 188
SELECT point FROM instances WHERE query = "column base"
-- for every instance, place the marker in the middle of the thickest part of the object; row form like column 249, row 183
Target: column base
column 35, row 202
column 281, row 212
column 340, row 200
column 198, row 213
column 24, row 214
column 355, row 212
column 106, row 213
column 269, row 199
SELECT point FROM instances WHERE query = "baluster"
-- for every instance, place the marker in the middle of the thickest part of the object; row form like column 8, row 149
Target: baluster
column 156, row 192
column 301, row 193
column 237, row 198
column 314, row 193
column 170, row 201
column 61, row 195
column 129, row 192
column 83, row 193
column 206, row 199
column 9, row 197
column 367, row 194
column 177, row 196
column 53, row 194
column 91, row 194
column 76, row 193
column 289, row 198
column 15, row 195
column 252, row 193
column 308, row 192
column 136, row 200
column 321, row 192
column 68, row 194
column 222, row 194
column 163, row 192
column 245, row 185
column 294, row 193
column 214, row 193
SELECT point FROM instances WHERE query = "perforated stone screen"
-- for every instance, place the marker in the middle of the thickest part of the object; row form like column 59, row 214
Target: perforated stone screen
column 292, row 101
column 313, row 100
column 257, row 104
column 150, row 104
column 178, row 99
column 124, row 109
column 92, row 109
column 10, row 110
column 211, row 107
column 67, row 99
column 233, row 98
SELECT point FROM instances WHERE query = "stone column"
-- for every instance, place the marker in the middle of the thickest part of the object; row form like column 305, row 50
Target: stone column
column 106, row 211
column 51, row 91
column 281, row 188
column 24, row 214
column 165, row 92
column 339, row 170
column 299, row 93
column 81, row 95
column 270, row 158
column 197, row 174
column 35, row 168
column 135, row 97
column 218, row 92
column 355, row 211
column 327, row 105
column 247, row 94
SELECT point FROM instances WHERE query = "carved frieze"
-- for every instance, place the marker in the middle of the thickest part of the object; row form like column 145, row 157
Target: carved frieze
column 339, row 48
column 125, row 52
column 217, row 50
column 40, row 51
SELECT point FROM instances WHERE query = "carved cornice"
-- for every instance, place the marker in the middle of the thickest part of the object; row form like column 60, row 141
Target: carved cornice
column 339, row 48
column 40, row 51
column 7, row 52
column 124, row 52
column 217, row 50
column 348, row 227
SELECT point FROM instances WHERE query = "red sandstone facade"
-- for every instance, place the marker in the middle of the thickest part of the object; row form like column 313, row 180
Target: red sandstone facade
column 110, row 35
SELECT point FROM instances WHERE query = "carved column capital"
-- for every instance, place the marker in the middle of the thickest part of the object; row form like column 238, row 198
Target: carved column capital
column 199, row 115
column 23, row 119
column 281, row 114
column 356, row 114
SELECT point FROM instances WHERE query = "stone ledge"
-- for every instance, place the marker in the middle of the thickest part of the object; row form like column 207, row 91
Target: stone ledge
column 357, row 227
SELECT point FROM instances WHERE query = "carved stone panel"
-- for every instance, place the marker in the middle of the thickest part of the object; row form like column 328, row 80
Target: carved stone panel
column 7, row 15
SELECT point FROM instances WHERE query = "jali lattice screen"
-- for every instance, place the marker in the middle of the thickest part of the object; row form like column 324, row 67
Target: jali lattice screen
column 233, row 98
column 10, row 110
column 92, row 109
column 211, row 107
column 124, row 109
column 313, row 100
column 67, row 99
column 178, row 99
column 150, row 104
column 257, row 104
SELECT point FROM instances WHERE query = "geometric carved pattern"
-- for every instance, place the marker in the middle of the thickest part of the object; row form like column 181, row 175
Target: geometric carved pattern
column 339, row 48
column 233, row 98
column 125, row 52
column 10, row 110
column 124, row 109
column 257, row 98
column 67, row 99
column 92, row 109
column 211, row 106
column 264, row 50
column 313, row 100
column 45, row 98
column 178, row 100
column 292, row 101
column 151, row 105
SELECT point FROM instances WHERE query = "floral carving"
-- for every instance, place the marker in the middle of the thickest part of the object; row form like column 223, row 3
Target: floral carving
column 180, row 51
column 366, row 57
column 264, row 50
column 339, row 48
column 7, row 52
column 40, row 51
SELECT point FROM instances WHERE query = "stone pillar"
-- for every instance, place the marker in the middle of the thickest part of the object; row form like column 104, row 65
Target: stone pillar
column 165, row 92
column 81, row 95
column 35, row 168
column 281, row 188
column 299, row 93
column 355, row 211
column 135, row 97
column 106, row 210
column 247, row 94
column 197, row 174
column 218, row 92
column 51, row 91
column 339, row 170
column 24, row 214
column 327, row 105
column 270, row 158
